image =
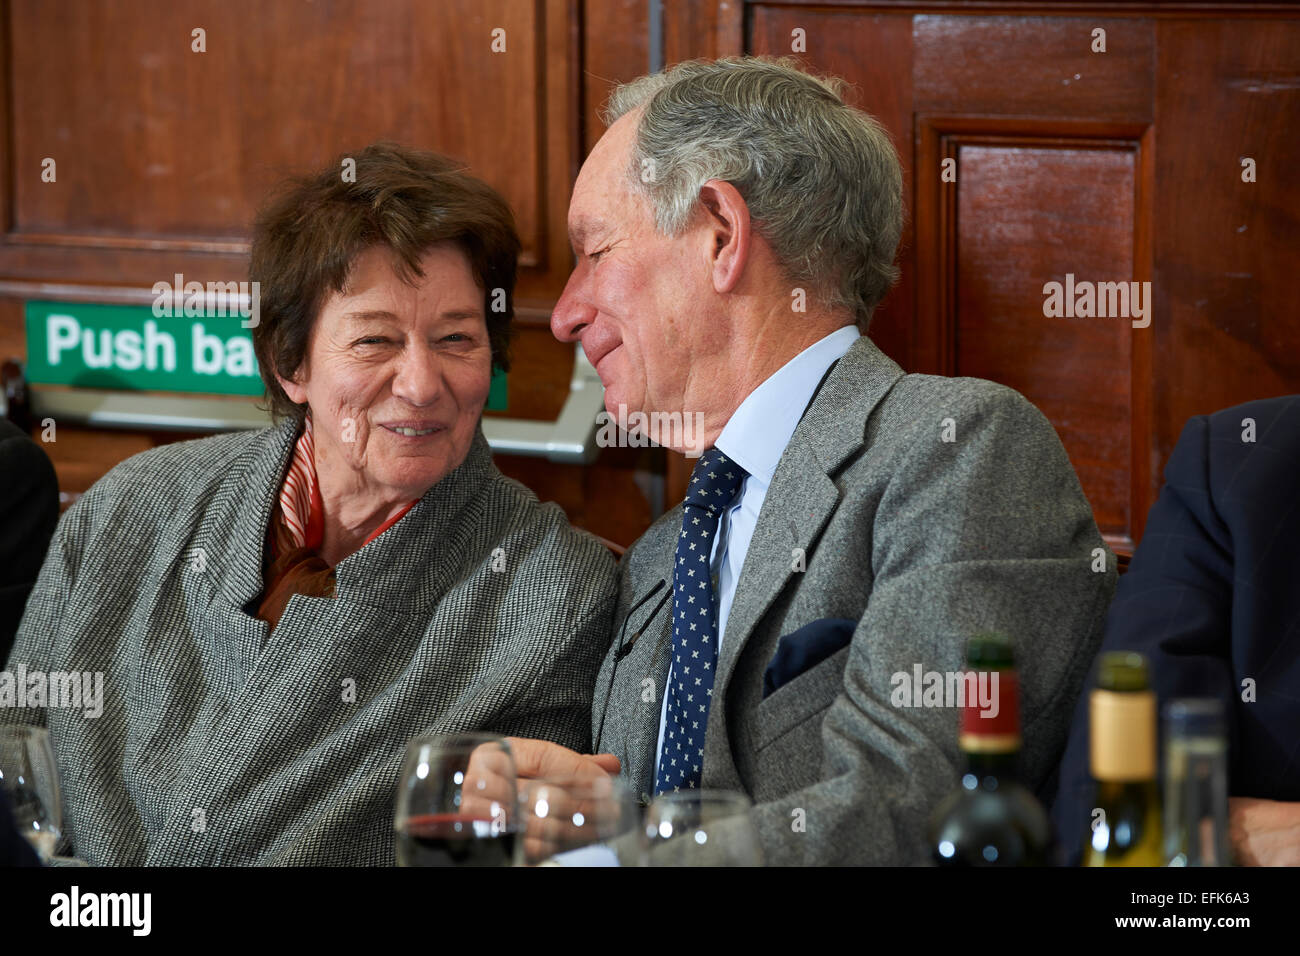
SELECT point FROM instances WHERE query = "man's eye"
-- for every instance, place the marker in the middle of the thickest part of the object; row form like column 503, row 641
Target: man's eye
column 595, row 256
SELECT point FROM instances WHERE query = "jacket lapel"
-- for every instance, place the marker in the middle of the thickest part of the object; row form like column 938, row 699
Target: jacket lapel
column 636, row 683
column 803, row 494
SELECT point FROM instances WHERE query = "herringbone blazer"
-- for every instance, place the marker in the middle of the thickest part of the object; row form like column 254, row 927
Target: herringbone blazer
column 907, row 514
column 222, row 741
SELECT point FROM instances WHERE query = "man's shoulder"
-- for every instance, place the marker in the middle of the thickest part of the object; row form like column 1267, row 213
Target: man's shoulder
column 1270, row 426
column 918, row 401
column 1242, row 458
column 936, row 424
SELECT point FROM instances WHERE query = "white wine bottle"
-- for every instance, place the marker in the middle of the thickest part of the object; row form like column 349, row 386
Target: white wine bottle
column 1125, row 826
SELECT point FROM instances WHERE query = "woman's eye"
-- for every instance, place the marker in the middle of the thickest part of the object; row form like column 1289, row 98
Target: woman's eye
column 372, row 340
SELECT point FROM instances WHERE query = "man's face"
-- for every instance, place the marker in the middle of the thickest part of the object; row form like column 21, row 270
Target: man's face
column 638, row 301
column 397, row 375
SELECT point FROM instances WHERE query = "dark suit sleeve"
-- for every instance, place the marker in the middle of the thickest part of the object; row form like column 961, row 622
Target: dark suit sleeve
column 1173, row 605
column 29, row 510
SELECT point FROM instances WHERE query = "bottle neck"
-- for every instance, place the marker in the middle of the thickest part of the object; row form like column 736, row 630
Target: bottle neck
column 990, row 723
column 1005, row 765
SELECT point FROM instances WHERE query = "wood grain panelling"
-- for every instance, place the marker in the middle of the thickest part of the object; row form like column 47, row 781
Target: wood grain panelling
column 1028, row 215
column 616, row 48
column 695, row 29
column 1227, row 324
column 1126, row 163
column 1122, row 165
column 611, row 498
column 1034, row 66
column 163, row 151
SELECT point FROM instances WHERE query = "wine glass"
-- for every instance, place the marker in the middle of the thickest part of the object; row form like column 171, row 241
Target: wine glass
column 457, row 802
column 578, row 820
column 31, row 781
column 700, row 828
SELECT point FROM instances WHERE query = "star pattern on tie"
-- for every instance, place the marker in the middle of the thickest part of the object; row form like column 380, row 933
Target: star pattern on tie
column 713, row 486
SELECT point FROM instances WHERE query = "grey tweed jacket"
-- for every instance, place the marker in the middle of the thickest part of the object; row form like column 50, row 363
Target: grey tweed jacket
column 916, row 544
column 222, row 742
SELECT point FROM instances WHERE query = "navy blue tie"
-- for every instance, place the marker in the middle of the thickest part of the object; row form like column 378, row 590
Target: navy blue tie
column 695, row 623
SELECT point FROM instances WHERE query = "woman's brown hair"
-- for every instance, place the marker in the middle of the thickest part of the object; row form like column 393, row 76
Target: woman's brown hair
column 309, row 235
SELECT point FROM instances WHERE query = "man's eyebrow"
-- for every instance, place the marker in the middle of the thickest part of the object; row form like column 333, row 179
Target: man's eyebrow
column 582, row 228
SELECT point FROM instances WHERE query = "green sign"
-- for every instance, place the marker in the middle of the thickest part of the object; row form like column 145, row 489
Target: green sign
column 130, row 348
column 127, row 348
column 497, row 400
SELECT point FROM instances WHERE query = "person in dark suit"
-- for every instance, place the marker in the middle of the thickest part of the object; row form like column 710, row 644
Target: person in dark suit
column 1213, row 600
column 29, row 510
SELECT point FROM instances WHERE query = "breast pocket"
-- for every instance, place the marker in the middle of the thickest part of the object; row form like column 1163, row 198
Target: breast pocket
column 799, row 702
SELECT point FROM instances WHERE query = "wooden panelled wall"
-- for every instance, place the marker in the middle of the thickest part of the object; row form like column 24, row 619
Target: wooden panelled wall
column 163, row 155
column 1110, row 166
column 1123, row 165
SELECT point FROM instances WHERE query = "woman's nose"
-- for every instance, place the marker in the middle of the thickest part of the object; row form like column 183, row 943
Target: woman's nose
column 418, row 379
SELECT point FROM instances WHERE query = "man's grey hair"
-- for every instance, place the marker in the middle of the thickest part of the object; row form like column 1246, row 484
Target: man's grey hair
column 821, row 178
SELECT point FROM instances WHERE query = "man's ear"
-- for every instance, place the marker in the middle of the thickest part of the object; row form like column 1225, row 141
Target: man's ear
column 728, row 230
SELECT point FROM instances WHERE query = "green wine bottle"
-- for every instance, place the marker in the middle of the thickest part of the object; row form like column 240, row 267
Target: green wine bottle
column 992, row 819
column 1125, row 825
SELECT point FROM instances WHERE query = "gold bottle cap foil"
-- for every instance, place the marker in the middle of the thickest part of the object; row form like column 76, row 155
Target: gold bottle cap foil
column 1122, row 747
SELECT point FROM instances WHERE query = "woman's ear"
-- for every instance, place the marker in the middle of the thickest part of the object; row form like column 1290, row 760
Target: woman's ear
column 293, row 387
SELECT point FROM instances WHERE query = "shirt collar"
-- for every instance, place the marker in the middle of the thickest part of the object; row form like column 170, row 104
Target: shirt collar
column 756, row 434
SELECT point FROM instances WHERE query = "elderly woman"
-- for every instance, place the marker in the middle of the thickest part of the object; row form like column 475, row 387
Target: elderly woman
column 277, row 613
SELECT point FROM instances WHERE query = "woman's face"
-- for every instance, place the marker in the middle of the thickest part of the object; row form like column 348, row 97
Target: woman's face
column 396, row 376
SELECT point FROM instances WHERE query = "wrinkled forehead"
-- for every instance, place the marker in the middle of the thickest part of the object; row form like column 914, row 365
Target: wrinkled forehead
column 601, row 192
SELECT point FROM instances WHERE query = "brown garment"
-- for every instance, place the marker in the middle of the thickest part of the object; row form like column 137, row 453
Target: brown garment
column 296, row 534
column 300, row 571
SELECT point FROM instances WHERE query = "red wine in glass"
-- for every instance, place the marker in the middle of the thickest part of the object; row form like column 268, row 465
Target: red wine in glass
column 446, row 839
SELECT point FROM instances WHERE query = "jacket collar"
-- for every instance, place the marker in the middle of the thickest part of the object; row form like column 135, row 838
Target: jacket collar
column 406, row 568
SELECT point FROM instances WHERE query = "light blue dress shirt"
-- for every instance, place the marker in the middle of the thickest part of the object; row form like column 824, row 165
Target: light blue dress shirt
column 755, row 438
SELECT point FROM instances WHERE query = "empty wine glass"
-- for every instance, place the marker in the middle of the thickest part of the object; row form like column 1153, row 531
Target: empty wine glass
column 581, row 821
column 31, row 781
column 700, row 828
column 457, row 802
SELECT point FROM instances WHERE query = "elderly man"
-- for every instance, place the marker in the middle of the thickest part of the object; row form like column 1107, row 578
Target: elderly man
column 734, row 229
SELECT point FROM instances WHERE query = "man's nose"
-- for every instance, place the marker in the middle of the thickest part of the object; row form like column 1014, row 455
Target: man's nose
column 418, row 379
column 571, row 315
